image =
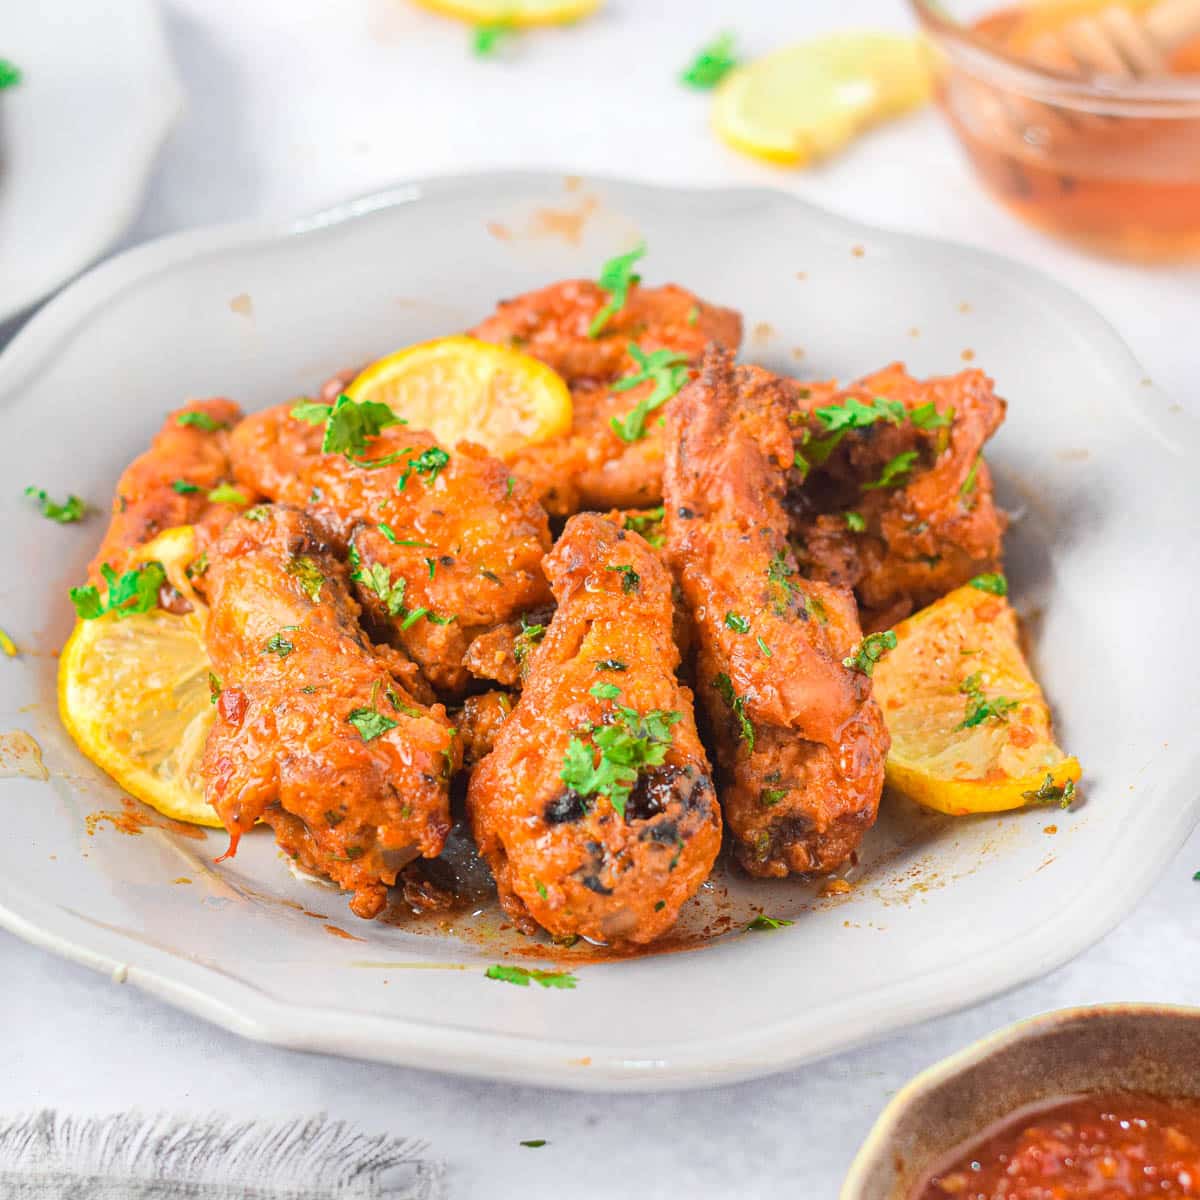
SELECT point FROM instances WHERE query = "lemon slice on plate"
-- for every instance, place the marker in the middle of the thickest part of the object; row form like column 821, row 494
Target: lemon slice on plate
column 133, row 691
column 514, row 12
column 970, row 727
column 810, row 99
column 465, row 390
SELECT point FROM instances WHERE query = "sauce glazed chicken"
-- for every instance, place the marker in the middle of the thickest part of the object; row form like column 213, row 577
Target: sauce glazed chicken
column 402, row 631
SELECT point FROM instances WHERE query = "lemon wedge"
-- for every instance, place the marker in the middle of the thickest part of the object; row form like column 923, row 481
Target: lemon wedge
column 464, row 390
column 810, row 99
column 970, row 727
column 518, row 13
column 134, row 691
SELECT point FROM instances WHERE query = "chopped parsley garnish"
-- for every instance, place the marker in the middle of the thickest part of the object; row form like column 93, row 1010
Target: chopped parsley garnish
column 693, row 317
column 779, row 576
column 8, row 645
column 413, row 617
column 370, row 723
column 605, row 691
column 979, row 707
column 134, row 592
column 440, row 620
column 428, row 463
column 10, row 74
column 349, row 424
column 226, row 493
column 869, row 651
column 1050, row 793
column 926, row 416
column 388, row 532
column 525, row 641
column 667, row 369
column 737, row 705
column 183, row 487
column 648, row 524
column 993, row 582
column 278, row 644
column 852, row 413
column 308, row 575
column 486, row 38
column 712, row 63
column 535, row 1143
column 214, row 688
column 259, row 512
column 632, row 741
column 611, row 664
column 509, row 484
column 968, row 484
column 200, row 420
column 737, row 623
column 524, row 976
column 894, row 471
column 856, row 522
column 630, row 579
column 762, row 921
column 763, row 647
column 617, row 276
column 71, row 510
column 769, row 797
column 197, row 567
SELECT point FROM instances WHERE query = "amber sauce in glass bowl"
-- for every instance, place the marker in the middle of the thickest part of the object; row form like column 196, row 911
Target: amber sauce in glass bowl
column 1113, row 165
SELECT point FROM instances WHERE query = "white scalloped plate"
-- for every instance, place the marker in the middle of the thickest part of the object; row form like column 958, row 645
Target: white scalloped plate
column 943, row 913
column 78, row 136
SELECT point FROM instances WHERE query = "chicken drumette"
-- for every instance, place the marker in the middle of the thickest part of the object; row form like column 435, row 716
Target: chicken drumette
column 595, row 810
column 317, row 732
column 799, row 741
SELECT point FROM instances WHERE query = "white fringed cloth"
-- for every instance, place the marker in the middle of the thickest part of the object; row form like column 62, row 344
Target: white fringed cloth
column 44, row 1156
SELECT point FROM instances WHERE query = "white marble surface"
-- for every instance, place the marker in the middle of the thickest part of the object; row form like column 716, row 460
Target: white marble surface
column 294, row 103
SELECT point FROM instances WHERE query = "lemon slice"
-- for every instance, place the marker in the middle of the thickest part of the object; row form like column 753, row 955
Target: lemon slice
column 134, row 692
column 514, row 12
column 970, row 728
column 464, row 390
column 808, row 100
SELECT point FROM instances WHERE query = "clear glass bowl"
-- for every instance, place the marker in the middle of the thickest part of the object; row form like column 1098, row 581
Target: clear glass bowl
column 1111, row 164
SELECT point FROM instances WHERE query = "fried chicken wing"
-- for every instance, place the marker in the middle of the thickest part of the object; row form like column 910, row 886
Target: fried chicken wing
column 592, row 467
column 902, row 508
column 446, row 545
column 316, row 731
column 171, row 483
column 799, row 741
column 595, row 810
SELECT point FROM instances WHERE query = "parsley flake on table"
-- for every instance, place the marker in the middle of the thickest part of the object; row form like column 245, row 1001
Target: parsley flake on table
column 200, row 420
column 737, row 705
column 370, row 723
column 669, row 372
column 993, row 582
column 869, row 651
column 632, row 741
column 308, row 575
column 349, row 425
column 10, row 74
column 762, row 921
column 524, row 976
column 979, row 707
column 711, row 64
column 486, row 39
column 534, row 1143
column 617, row 276
column 630, row 579
column 226, row 493
column 429, row 464
column 71, row 510
column 894, row 471
column 133, row 592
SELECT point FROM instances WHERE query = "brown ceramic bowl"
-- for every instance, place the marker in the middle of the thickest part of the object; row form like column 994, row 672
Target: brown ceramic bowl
column 1112, row 1047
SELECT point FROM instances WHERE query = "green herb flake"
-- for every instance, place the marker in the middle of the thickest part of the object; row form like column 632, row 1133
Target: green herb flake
column 737, row 623
column 509, row 484
column 669, row 372
column 994, row 583
column 611, row 664
column 134, row 592
column 10, row 74
column 693, row 317
column 762, row 921
column 535, row 1143
column 387, row 531
column 349, row 425
column 852, row 413
column 1051, row 793
column 631, row 581
column 429, row 464
column 278, row 644
column 71, row 510
column 308, row 575
column 979, row 707
column 438, row 619
column 711, row 64
column 869, row 651
column 226, row 493
column 214, row 688
column 894, row 471
column 486, row 39
column 200, row 420
column 856, row 522
column 968, row 484
column 926, row 416
column 617, row 276
column 370, row 723
column 763, row 647
column 524, row 976
column 737, row 705
column 647, row 524
column 541, row 888
column 769, row 797
column 605, row 691
column 525, row 641
column 183, row 487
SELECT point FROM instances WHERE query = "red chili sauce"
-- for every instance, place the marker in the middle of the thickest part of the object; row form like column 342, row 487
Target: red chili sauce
column 1095, row 1147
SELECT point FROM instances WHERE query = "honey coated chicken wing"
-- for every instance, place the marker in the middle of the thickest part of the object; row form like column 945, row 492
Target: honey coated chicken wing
column 799, row 741
column 445, row 545
column 594, row 466
column 316, row 733
column 595, row 809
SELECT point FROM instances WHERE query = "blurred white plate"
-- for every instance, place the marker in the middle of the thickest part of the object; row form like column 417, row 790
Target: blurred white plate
column 943, row 912
column 78, row 135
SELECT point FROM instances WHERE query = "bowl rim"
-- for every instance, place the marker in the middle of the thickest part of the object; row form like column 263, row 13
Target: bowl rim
column 1166, row 97
column 991, row 1045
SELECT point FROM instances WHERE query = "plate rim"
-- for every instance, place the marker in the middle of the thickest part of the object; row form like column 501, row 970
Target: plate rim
column 242, row 1008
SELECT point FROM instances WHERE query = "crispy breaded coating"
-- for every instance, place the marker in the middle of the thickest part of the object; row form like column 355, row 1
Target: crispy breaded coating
column 316, row 732
column 445, row 545
column 799, row 741
column 592, row 467
column 565, row 848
